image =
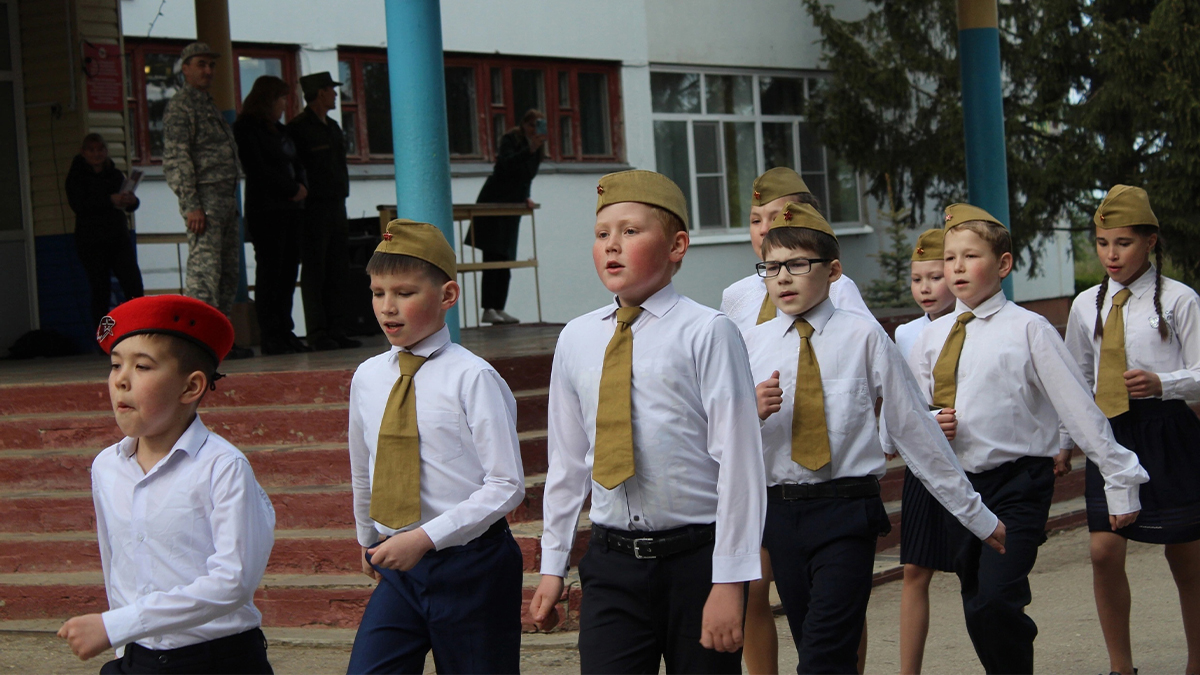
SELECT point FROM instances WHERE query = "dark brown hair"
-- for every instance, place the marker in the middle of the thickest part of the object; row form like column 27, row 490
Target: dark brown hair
column 820, row 243
column 93, row 138
column 259, row 102
column 190, row 356
column 1164, row 331
column 393, row 263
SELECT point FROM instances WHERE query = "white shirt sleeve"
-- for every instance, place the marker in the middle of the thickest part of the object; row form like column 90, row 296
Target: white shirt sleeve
column 1184, row 384
column 845, row 296
column 1081, row 346
column 360, row 473
column 568, row 478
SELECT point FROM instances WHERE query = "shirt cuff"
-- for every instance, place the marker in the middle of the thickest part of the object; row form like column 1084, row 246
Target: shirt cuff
column 1122, row 500
column 731, row 569
column 440, row 530
column 1170, row 386
column 555, row 563
column 983, row 525
column 123, row 625
column 368, row 536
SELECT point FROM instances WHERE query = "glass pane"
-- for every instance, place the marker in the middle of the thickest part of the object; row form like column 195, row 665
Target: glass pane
column 708, row 158
column 781, row 95
column 528, row 92
column 10, row 171
column 843, row 192
column 671, row 156
column 741, row 165
column 161, row 85
column 566, row 137
column 593, row 113
column 812, row 155
column 134, row 146
column 816, row 185
column 499, row 126
column 777, row 145
column 5, row 41
column 564, row 89
column 378, row 100
column 497, row 86
column 728, row 95
column 251, row 68
column 675, row 92
column 350, row 128
column 711, row 205
column 346, row 77
column 460, row 111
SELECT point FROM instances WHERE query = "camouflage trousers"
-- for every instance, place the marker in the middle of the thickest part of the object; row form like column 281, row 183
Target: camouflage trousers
column 214, row 256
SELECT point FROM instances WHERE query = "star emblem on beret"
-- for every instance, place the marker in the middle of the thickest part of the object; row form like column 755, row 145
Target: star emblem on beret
column 106, row 328
column 387, row 236
column 599, row 189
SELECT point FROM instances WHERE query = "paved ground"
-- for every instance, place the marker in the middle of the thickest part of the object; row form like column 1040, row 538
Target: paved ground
column 1070, row 640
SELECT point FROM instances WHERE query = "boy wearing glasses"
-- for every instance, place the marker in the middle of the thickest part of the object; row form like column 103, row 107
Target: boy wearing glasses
column 820, row 371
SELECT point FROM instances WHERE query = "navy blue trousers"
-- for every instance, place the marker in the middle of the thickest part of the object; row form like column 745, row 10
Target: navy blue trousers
column 463, row 602
column 823, row 555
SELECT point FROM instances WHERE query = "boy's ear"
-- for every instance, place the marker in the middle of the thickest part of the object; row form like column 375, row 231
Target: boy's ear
column 835, row 271
column 1006, row 264
column 450, row 293
column 679, row 246
column 194, row 388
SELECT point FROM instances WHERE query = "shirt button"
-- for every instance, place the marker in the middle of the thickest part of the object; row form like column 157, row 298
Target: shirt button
column 636, row 518
column 141, row 537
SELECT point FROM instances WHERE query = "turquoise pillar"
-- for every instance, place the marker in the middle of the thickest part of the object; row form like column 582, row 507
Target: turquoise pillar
column 416, row 74
column 983, row 111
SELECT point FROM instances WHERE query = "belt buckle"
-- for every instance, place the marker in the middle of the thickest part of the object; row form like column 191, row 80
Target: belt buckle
column 637, row 553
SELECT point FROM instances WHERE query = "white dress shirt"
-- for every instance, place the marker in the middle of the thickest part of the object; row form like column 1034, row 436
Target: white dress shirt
column 697, row 450
column 1176, row 361
column 743, row 299
column 184, row 545
column 1016, row 380
column 858, row 365
column 471, row 473
column 907, row 333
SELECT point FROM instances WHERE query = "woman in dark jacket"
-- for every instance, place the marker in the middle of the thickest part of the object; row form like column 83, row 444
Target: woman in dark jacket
column 517, row 164
column 275, row 193
column 102, row 224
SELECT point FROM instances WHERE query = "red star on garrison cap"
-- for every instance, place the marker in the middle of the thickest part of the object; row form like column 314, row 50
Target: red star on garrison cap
column 387, row 236
column 757, row 194
column 599, row 189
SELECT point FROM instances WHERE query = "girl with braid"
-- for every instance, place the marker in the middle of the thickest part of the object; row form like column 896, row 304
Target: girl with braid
column 1136, row 337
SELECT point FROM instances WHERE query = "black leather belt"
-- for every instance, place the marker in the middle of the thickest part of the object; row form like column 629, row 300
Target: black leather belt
column 650, row 545
column 846, row 488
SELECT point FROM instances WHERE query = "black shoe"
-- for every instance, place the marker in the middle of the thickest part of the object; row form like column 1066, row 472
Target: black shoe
column 237, row 352
column 323, row 343
column 296, row 344
column 345, row 342
column 276, row 346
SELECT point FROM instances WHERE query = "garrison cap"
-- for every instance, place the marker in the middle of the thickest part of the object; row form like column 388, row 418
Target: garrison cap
column 419, row 240
column 957, row 214
column 197, row 49
column 778, row 182
column 802, row 215
column 1124, row 206
column 317, row 81
column 929, row 246
column 188, row 318
column 646, row 187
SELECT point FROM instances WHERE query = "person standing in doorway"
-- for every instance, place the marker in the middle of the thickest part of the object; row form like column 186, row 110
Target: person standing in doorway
column 517, row 164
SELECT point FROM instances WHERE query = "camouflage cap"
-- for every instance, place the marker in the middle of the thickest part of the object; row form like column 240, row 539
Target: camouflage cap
column 646, row 187
column 778, row 182
column 419, row 240
column 929, row 246
column 957, row 214
column 197, row 49
column 1124, row 206
column 317, row 81
column 802, row 215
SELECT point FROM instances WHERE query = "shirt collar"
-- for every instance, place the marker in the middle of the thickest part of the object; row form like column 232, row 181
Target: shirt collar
column 190, row 441
column 986, row 308
column 816, row 317
column 1140, row 285
column 427, row 347
column 658, row 304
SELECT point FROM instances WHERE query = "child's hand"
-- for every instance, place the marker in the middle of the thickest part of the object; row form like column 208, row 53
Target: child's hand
column 402, row 551
column 769, row 396
column 544, row 605
column 948, row 422
column 1143, row 384
column 1062, row 463
column 996, row 541
column 366, row 565
column 86, row 635
column 1123, row 520
column 721, row 627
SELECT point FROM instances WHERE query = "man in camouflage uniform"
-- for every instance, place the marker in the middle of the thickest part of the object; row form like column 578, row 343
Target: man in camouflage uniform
column 201, row 166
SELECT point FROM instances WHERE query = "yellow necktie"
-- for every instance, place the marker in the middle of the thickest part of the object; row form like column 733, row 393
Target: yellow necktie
column 945, row 371
column 396, row 486
column 810, row 436
column 1111, row 394
column 767, row 311
column 612, row 463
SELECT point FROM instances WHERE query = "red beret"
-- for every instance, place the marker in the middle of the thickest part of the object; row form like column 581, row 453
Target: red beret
column 183, row 317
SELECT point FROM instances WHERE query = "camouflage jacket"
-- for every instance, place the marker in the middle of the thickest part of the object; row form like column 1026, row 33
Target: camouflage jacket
column 198, row 146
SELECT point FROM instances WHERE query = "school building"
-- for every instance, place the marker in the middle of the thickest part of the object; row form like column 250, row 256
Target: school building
column 709, row 92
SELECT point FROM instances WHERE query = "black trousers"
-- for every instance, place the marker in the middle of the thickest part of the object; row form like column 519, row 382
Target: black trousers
column 496, row 236
column 995, row 588
column 635, row 613
column 823, row 555
column 326, row 266
column 105, row 254
column 241, row 653
column 276, row 236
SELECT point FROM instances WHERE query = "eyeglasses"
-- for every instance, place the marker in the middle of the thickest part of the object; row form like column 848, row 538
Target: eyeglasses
column 795, row 267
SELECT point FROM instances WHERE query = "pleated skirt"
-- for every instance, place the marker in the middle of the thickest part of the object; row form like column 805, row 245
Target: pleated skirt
column 924, row 528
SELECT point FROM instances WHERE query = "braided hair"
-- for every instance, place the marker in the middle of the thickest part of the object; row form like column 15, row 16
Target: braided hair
column 1164, row 331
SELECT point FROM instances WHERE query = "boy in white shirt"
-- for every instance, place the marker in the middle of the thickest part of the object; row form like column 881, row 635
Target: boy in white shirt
column 1000, row 379
column 652, row 412
column 435, row 466
column 821, row 370
column 185, row 530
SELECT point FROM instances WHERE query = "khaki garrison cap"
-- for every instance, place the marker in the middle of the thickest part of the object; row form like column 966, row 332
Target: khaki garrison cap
column 646, row 187
column 197, row 49
column 1124, row 206
column 419, row 240
column 929, row 246
column 778, row 182
column 802, row 215
column 957, row 214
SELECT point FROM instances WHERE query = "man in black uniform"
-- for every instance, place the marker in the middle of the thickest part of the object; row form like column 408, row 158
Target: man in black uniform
column 325, row 257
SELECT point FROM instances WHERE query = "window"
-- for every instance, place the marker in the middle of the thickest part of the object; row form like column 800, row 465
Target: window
column 485, row 97
column 153, row 78
column 715, row 132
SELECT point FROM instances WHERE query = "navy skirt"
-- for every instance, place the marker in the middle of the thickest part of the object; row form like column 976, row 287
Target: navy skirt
column 924, row 528
column 1165, row 435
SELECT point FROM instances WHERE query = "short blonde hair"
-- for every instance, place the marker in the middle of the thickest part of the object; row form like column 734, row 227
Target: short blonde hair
column 996, row 236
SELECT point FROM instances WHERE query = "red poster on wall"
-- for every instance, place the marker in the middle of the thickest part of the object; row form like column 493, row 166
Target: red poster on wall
column 102, row 65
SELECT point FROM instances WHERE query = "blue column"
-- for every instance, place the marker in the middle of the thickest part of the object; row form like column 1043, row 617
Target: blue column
column 983, row 111
column 416, row 74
